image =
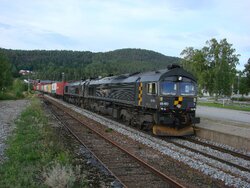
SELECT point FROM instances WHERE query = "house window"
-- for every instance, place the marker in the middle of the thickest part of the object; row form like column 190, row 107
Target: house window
column 152, row 88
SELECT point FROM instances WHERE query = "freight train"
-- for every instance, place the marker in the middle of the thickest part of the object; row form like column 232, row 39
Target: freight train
column 163, row 101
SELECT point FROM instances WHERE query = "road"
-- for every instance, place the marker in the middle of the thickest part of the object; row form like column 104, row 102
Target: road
column 223, row 114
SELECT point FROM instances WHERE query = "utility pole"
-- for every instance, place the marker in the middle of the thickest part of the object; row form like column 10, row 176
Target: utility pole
column 62, row 76
column 238, row 85
column 28, row 82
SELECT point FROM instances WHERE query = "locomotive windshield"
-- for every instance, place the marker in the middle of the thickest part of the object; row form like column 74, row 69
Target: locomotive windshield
column 180, row 88
column 168, row 88
column 187, row 88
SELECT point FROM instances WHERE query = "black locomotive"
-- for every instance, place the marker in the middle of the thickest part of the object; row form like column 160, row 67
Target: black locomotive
column 163, row 100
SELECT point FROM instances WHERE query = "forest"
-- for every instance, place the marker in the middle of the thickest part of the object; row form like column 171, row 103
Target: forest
column 214, row 65
column 50, row 64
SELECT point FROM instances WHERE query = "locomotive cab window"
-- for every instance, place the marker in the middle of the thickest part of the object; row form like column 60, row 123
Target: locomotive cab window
column 152, row 88
column 168, row 88
column 187, row 88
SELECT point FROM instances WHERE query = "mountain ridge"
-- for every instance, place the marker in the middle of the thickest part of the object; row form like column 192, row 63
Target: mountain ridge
column 83, row 64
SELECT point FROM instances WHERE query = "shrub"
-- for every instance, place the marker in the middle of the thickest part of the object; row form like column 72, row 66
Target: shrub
column 60, row 176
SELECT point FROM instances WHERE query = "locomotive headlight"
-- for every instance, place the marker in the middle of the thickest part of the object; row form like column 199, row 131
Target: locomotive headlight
column 180, row 78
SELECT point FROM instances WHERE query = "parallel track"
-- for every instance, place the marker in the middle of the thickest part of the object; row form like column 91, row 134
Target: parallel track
column 130, row 170
column 211, row 156
column 233, row 153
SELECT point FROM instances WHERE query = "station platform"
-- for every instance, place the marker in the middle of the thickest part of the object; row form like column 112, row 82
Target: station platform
column 230, row 127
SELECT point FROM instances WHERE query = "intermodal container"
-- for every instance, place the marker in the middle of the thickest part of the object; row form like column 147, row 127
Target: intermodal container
column 60, row 88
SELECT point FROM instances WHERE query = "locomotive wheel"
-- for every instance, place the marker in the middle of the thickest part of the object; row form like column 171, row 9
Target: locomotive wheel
column 147, row 126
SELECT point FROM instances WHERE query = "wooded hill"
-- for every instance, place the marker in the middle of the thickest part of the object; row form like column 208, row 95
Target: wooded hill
column 49, row 64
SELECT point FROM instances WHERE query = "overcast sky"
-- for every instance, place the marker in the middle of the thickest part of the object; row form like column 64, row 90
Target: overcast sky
column 165, row 26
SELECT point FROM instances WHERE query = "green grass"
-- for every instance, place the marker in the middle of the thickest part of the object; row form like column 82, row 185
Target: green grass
column 33, row 150
column 7, row 95
column 226, row 106
column 12, row 95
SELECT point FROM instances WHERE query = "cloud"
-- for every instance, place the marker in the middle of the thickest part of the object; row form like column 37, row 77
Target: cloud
column 5, row 26
column 165, row 26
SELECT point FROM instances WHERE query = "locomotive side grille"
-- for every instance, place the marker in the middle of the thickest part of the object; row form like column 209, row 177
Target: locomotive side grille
column 123, row 92
column 140, row 94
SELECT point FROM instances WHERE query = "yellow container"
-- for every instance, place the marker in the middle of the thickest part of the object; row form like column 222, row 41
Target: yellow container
column 49, row 88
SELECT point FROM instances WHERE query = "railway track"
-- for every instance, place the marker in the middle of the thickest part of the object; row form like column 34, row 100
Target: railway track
column 220, row 169
column 217, row 158
column 127, row 168
column 221, row 149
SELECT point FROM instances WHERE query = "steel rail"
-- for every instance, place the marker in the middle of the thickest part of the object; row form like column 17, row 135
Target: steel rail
column 82, row 143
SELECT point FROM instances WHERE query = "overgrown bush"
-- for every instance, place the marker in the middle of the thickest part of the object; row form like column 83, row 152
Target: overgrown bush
column 15, row 91
column 18, row 88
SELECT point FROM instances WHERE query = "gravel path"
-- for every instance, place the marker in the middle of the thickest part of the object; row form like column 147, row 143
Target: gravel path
column 223, row 114
column 9, row 111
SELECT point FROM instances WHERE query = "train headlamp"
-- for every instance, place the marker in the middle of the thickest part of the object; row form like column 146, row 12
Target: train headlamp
column 180, row 78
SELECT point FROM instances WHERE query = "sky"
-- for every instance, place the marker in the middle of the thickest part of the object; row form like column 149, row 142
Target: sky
column 165, row 26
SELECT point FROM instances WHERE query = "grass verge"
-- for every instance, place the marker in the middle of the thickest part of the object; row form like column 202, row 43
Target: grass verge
column 36, row 157
column 226, row 106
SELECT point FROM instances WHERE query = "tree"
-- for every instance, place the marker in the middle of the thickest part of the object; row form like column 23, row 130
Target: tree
column 195, row 62
column 5, row 72
column 243, row 87
column 247, row 72
column 214, row 66
column 225, row 61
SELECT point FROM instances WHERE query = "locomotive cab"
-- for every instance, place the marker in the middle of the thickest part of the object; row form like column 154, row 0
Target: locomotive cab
column 177, row 97
column 176, row 106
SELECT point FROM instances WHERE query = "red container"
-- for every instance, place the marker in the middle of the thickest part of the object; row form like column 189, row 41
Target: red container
column 60, row 88
column 34, row 87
